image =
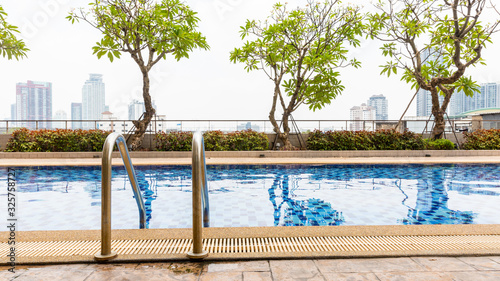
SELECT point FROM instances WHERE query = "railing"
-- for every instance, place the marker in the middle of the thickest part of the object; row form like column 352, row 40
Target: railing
column 201, row 210
column 123, row 126
column 106, row 253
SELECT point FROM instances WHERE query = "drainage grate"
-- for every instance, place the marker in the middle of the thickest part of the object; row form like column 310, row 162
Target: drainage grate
column 259, row 245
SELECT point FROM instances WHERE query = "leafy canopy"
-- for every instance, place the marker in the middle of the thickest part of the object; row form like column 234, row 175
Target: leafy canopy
column 449, row 31
column 10, row 46
column 136, row 26
column 301, row 50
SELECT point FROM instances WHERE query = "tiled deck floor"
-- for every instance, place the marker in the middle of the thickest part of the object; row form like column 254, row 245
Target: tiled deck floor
column 413, row 268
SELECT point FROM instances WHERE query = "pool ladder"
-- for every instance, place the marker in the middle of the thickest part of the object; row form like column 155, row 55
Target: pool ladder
column 201, row 210
column 107, row 150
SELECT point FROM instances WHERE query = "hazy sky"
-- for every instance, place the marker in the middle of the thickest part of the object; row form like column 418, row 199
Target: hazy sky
column 205, row 86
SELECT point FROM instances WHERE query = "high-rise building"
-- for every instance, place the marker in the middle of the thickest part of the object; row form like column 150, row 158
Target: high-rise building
column 359, row 114
column 61, row 115
column 93, row 99
column 76, row 114
column 34, row 102
column 379, row 102
column 424, row 98
column 489, row 97
column 137, row 108
column 13, row 111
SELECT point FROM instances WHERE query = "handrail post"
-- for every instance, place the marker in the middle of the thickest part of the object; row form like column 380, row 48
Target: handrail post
column 107, row 150
column 199, row 191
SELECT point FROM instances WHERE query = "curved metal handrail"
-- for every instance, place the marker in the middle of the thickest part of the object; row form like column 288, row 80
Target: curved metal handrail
column 201, row 210
column 107, row 151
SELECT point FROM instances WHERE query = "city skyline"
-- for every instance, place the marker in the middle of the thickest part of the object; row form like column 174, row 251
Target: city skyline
column 205, row 86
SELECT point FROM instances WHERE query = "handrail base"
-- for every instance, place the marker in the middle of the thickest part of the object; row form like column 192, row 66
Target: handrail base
column 99, row 257
column 197, row 256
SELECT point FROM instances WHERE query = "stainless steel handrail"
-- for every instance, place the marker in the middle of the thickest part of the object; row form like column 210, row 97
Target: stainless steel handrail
column 201, row 210
column 107, row 150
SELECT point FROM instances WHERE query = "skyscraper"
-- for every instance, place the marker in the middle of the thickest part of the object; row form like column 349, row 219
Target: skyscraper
column 76, row 114
column 93, row 98
column 136, row 109
column 360, row 113
column 34, row 102
column 424, row 98
column 489, row 97
column 379, row 102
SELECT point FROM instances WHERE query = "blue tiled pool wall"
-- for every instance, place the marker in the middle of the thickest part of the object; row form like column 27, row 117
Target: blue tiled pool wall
column 247, row 195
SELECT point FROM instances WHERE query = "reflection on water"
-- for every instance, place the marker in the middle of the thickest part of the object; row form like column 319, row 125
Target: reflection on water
column 283, row 195
column 292, row 212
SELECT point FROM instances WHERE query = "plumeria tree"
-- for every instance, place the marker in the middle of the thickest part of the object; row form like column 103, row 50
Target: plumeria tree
column 148, row 31
column 10, row 46
column 301, row 51
column 433, row 42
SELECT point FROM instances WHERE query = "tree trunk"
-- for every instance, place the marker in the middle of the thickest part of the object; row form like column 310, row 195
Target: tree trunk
column 142, row 125
column 439, row 125
column 283, row 136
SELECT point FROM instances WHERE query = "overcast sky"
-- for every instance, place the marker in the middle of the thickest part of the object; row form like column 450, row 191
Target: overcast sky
column 205, row 86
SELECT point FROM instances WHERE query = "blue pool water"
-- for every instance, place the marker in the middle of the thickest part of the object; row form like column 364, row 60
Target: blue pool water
column 63, row 198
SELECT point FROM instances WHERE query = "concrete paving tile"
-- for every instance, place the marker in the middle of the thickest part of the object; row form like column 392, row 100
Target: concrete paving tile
column 443, row 264
column 186, row 267
column 412, row 276
column 342, row 265
column 474, row 275
column 495, row 259
column 481, row 263
column 385, row 265
column 112, row 266
column 257, row 276
column 7, row 275
column 239, row 266
column 43, row 274
column 155, row 265
column 221, row 276
column 335, row 276
column 285, row 270
column 140, row 274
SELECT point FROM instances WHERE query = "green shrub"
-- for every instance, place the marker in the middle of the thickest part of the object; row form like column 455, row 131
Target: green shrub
column 364, row 140
column 482, row 139
column 439, row 144
column 58, row 140
column 174, row 141
column 214, row 141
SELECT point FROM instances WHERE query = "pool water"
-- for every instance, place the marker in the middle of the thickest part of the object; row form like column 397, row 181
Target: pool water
column 68, row 198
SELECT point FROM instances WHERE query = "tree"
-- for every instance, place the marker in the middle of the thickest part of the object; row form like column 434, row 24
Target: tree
column 301, row 51
column 10, row 46
column 146, row 29
column 433, row 42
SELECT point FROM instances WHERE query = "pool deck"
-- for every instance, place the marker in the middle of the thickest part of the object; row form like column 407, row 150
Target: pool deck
column 459, row 262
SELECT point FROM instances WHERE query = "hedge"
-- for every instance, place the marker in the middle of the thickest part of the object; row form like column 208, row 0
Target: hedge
column 59, row 140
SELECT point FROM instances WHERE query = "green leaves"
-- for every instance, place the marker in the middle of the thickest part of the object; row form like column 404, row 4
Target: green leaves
column 148, row 30
column 10, row 46
column 300, row 50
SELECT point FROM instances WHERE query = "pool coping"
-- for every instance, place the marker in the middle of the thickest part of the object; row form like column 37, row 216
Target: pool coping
column 433, row 231
column 26, row 162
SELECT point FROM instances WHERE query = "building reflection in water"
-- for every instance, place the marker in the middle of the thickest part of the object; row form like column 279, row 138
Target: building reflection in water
column 291, row 212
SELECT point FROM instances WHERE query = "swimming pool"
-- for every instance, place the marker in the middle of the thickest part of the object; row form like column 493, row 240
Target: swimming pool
column 67, row 198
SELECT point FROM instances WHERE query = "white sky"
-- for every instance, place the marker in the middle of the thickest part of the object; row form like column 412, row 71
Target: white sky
column 205, row 86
